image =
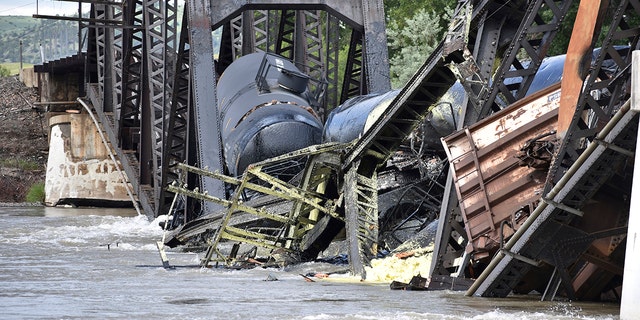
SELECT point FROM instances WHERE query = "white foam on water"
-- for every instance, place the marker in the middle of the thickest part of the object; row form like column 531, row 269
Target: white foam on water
column 492, row 315
column 124, row 233
column 523, row 315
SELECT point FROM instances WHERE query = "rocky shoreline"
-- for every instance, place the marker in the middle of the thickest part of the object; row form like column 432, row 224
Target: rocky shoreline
column 23, row 141
column 20, row 204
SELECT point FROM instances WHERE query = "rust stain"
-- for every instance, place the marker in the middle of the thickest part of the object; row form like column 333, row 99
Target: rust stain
column 519, row 113
column 502, row 126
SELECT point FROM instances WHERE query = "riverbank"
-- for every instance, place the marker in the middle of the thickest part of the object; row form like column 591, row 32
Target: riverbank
column 23, row 143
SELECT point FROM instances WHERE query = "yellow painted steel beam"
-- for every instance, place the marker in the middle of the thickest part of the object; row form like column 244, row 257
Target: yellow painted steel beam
column 290, row 192
column 239, row 207
column 250, row 234
column 279, row 189
column 232, row 237
column 306, row 201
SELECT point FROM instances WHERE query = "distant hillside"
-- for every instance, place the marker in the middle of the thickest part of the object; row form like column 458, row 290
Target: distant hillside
column 58, row 39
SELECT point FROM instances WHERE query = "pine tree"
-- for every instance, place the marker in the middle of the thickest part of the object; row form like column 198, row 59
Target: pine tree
column 412, row 44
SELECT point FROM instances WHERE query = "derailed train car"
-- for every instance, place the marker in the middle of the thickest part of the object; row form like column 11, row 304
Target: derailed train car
column 352, row 119
column 406, row 194
column 409, row 186
column 266, row 110
column 514, row 145
column 500, row 169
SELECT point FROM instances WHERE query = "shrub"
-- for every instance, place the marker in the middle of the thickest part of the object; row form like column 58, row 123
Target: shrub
column 35, row 193
column 4, row 71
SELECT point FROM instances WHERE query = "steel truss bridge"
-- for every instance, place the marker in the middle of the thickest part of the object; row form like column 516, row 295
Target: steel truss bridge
column 152, row 85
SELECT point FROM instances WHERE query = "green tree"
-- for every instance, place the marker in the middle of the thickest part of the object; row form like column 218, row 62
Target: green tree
column 400, row 12
column 412, row 43
column 561, row 41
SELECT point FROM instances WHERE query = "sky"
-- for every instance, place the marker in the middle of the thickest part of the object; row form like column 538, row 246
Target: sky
column 31, row 7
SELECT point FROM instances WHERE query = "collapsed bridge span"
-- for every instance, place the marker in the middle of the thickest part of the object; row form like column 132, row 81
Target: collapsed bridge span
column 500, row 217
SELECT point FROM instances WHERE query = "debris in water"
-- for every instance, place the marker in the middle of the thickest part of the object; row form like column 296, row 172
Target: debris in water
column 417, row 283
column 271, row 277
column 306, row 278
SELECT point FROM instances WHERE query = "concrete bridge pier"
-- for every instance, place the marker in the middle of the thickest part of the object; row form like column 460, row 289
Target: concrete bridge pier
column 629, row 306
column 80, row 171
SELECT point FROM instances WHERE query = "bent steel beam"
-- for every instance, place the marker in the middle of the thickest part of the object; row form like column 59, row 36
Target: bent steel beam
column 366, row 16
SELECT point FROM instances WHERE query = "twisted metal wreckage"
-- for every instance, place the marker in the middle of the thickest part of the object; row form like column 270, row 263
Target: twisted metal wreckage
column 528, row 188
column 502, row 168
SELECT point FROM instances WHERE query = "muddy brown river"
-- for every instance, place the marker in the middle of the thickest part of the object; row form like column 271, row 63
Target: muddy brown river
column 103, row 264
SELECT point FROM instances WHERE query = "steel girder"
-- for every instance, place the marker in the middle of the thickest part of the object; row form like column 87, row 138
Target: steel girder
column 595, row 150
column 160, row 22
column 130, row 70
column 603, row 90
column 191, row 99
column 92, row 51
column 262, row 23
column 365, row 16
column 285, row 37
column 529, row 42
column 227, row 52
column 118, row 62
column 310, row 45
column 361, row 215
column 332, row 63
column 103, row 41
column 354, row 80
column 207, row 141
column 176, row 143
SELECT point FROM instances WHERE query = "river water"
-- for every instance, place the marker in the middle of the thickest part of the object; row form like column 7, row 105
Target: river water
column 60, row 263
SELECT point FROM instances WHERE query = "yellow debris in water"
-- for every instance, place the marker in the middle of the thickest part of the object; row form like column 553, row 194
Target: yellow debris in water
column 392, row 268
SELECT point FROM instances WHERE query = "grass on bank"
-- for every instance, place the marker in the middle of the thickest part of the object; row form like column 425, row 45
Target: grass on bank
column 21, row 164
column 14, row 67
column 35, row 193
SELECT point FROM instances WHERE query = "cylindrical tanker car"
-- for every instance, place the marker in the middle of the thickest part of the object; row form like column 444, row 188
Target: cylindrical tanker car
column 265, row 109
column 355, row 116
